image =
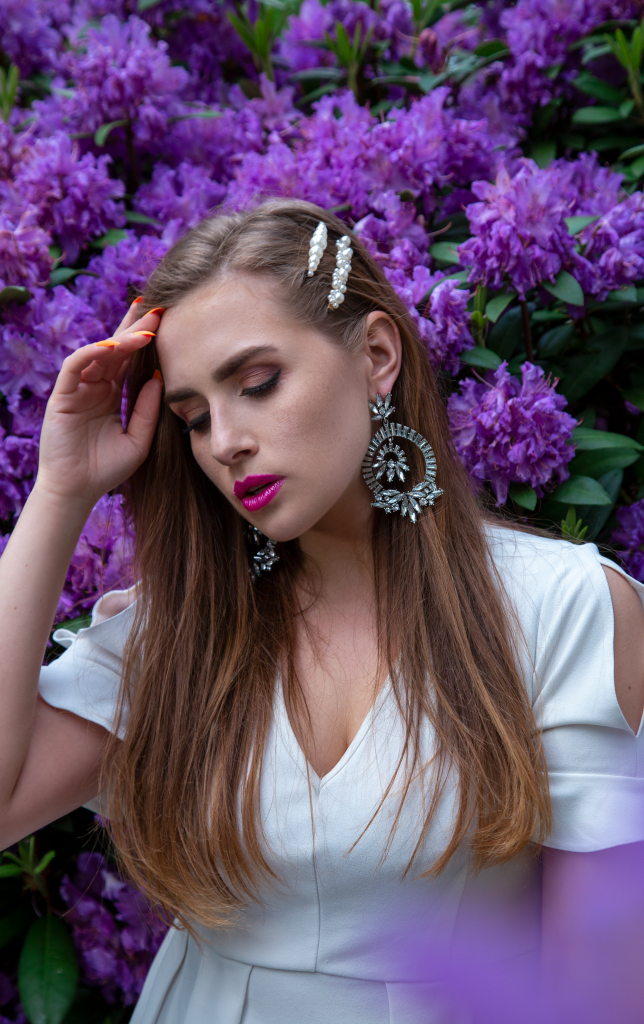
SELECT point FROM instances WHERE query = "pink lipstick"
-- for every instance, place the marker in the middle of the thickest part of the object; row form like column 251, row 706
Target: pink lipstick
column 263, row 486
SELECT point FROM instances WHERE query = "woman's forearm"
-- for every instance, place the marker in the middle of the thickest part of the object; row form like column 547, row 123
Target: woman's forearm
column 32, row 574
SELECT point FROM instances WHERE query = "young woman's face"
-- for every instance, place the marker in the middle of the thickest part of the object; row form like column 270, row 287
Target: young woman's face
column 278, row 414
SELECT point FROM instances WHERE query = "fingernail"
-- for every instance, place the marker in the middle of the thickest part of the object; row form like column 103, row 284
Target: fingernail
column 157, row 309
column 108, row 343
column 138, row 299
column 157, row 376
column 147, row 334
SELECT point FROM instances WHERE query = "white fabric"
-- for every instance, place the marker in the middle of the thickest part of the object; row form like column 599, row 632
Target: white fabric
column 345, row 937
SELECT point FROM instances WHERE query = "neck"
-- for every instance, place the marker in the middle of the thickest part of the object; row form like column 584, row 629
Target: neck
column 339, row 545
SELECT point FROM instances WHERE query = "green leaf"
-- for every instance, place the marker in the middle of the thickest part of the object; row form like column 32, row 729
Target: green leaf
column 573, row 528
column 132, row 217
column 507, row 334
column 543, row 152
column 555, row 341
column 593, row 86
column 48, row 971
column 637, row 168
column 81, row 622
column 635, row 397
column 633, row 151
column 581, row 490
column 482, row 357
column 596, row 115
column 566, row 288
column 627, row 294
column 583, row 372
column 445, row 252
column 317, row 74
column 490, row 47
column 14, row 293
column 110, row 237
column 523, row 495
column 602, row 460
column 10, row 870
column 64, row 274
column 15, row 923
column 100, row 135
column 588, row 440
column 44, row 861
column 145, row 5
column 496, row 305
column 577, row 224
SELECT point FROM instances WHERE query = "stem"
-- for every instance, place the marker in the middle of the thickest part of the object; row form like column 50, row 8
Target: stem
column 525, row 314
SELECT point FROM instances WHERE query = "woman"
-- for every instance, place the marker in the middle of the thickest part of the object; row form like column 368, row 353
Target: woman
column 343, row 732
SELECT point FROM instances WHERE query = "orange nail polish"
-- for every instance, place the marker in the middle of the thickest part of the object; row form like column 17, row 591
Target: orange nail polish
column 157, row 309
column 108, row 343
column 157, row 376
column 147, row 334
column 138, row 299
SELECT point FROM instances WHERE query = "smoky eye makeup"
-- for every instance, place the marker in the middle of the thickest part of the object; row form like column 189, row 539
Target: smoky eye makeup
column 253, row 391
column 263, row 388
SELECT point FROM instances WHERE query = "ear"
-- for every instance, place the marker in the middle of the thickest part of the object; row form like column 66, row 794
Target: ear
column 383, row 348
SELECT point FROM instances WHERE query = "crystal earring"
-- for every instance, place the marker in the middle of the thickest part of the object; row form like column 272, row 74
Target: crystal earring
column 384, row 458
column 264, row 559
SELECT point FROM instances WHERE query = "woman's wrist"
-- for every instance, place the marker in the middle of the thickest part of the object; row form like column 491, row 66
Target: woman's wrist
column 72, row 509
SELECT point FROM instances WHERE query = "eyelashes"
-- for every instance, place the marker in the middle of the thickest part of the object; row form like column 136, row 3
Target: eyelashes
column 258, row 391
column 264, row 387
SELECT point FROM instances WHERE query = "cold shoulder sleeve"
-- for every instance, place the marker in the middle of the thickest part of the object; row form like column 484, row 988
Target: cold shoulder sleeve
column 85, row 679
column 595, row 761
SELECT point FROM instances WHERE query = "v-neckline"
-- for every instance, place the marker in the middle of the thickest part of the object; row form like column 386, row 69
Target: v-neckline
column 296, row 750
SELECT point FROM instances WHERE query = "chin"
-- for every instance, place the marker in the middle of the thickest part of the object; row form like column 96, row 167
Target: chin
column 282, row 525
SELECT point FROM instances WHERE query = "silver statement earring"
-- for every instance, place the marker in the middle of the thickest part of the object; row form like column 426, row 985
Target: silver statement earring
column 386, row 459
column 264, row 559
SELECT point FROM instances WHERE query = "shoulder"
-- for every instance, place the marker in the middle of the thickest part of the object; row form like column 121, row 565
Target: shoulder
column 542, row 575
column 535, row 567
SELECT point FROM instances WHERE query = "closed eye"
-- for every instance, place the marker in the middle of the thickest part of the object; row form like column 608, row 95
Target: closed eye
column 262, row 389
column 198, row 424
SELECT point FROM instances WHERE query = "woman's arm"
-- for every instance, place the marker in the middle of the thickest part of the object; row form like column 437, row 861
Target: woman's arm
column 593, row 903
column 49, row 759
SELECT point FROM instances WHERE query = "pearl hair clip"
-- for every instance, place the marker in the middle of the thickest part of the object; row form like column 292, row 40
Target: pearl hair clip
column 317, row 245
column 341, row 272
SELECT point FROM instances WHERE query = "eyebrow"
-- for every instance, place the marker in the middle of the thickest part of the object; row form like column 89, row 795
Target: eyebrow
column 225, row 371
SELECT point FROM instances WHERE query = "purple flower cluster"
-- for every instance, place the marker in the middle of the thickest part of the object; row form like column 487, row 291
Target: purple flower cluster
column 520, row 236
column 509, row 431
column 628, row 538
column 116, row 933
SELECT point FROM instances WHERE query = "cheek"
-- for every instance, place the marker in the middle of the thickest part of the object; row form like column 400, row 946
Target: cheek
column 327, row 427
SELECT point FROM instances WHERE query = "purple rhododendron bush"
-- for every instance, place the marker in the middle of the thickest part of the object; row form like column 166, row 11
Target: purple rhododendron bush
column 490, row 155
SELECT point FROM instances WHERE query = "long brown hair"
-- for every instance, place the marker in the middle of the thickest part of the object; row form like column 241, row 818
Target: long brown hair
column 200, row 668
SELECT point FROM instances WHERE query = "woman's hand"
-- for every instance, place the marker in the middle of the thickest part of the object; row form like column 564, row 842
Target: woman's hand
column 84, row 450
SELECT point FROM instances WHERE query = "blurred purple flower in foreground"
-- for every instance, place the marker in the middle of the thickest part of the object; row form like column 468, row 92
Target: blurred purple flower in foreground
column 115, row 932
column 508, row 431
column 628, row 538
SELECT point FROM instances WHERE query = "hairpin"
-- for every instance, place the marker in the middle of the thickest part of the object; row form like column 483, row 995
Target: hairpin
column 317, row 246
column 341, row 272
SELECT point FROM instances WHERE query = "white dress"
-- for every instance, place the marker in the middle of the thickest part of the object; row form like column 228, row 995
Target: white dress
column 345, row 938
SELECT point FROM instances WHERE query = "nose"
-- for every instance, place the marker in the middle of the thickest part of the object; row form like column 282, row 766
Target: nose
column 230, row 441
